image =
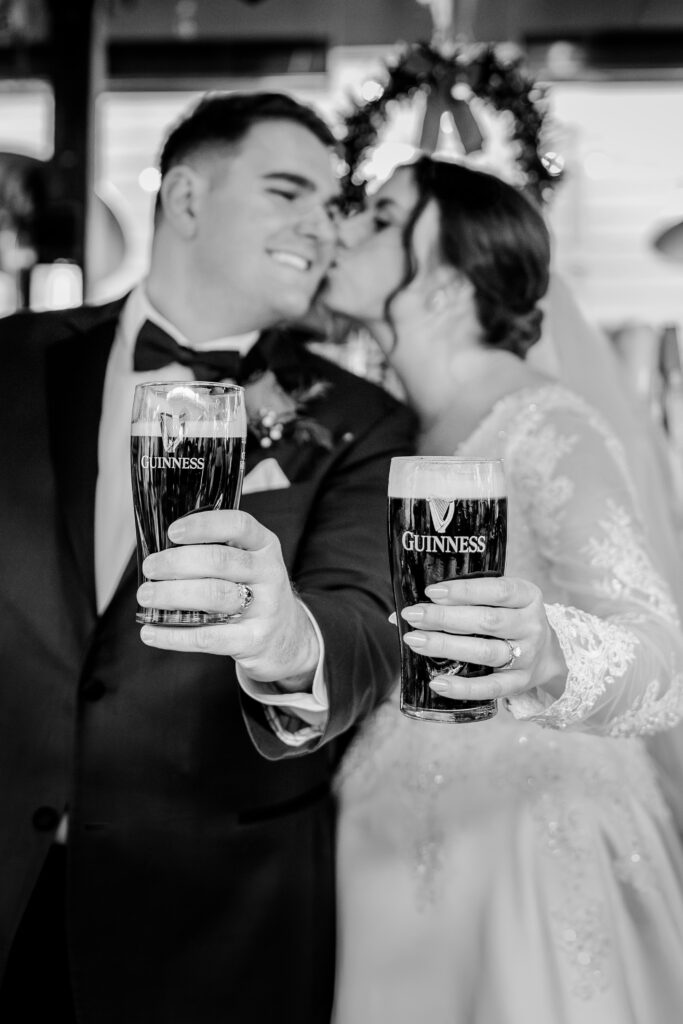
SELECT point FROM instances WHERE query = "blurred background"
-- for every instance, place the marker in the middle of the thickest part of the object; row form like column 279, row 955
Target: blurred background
column 87, row 88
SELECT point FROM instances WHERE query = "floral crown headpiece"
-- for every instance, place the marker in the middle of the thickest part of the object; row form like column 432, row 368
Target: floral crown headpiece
column 454, row 81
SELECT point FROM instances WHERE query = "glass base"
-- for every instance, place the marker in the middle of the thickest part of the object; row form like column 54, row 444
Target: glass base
column 164, row 617
column 454, row 715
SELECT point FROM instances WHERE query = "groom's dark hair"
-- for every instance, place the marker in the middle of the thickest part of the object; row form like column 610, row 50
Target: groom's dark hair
column 223, row 119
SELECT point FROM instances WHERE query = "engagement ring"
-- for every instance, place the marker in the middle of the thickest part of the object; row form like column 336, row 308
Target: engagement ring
column 246, row 596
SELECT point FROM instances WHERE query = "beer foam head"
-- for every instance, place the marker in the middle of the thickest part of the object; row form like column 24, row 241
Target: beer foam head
column 190, row 428
column 189, row 410
column 427, row 476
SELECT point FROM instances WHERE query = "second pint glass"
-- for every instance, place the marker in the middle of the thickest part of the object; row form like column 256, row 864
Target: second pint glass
column 447, row 520
column 187, row 455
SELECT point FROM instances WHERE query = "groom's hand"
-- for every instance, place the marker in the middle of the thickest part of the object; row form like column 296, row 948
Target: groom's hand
column 219, row 554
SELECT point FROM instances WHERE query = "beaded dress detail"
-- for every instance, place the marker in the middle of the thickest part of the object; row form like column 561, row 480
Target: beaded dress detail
column 525, row 870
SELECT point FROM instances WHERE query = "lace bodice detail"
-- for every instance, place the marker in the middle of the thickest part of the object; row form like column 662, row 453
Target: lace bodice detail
column 575, row 530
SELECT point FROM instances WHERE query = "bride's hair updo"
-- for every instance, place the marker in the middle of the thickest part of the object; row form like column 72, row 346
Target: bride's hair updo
column 497, row 238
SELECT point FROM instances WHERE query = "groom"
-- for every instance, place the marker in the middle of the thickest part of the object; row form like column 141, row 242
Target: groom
column 166, row 824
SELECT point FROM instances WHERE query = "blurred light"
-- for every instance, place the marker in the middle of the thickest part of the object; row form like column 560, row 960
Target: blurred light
column 149, row 180
column 56, row 285
column 341, row 167
column 385, row 158
column 446, row 123
column 186, row 19
column 553, row 163
column 461, row 91
column 564, row 59
column 371, row 90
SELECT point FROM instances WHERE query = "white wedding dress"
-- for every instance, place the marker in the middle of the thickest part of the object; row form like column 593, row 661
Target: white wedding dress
column 526, row 870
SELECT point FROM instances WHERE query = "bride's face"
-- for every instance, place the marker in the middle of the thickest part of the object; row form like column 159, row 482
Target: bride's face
column 370, row 262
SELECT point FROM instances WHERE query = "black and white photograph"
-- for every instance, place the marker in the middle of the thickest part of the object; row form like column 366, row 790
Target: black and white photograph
column 341, row 512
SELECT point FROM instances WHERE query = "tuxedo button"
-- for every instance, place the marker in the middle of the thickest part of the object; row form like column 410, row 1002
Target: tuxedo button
column 46, row 819
column 93, row 689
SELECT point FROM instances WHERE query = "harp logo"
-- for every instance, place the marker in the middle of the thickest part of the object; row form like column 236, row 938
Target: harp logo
column 171, row 432
column 441, row 512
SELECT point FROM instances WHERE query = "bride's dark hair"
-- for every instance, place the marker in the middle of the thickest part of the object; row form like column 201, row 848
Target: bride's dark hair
column 493, row 235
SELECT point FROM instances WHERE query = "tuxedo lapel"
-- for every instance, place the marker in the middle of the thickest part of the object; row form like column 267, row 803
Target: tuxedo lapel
column 77, row 368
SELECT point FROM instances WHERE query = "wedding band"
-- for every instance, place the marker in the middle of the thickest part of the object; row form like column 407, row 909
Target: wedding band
column 246, row 596
column 515, row 652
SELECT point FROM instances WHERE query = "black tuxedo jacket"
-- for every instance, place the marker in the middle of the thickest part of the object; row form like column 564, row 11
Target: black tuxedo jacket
column 200, row 881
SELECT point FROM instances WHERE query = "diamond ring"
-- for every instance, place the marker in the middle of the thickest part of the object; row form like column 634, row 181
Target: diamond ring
column 515, row 652
column 246, row 596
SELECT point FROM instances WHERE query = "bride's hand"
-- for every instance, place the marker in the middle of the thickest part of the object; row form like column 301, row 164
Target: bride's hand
column 500, row 622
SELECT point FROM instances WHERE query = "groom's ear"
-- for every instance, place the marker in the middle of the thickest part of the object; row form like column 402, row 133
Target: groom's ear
column 181, row 195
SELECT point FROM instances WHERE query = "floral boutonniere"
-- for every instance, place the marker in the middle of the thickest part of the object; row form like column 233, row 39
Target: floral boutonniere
column 273, row 413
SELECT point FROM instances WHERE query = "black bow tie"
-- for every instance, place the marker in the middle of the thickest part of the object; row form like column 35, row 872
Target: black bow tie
column 155, row 348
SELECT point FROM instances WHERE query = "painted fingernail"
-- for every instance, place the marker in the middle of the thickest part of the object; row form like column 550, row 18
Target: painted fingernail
column 392, row 619
column 413, row 614
column 436, row 592
column 144, row 593
column 176, row 531
column 147, row 634
column 439, row 687
column 415, row 639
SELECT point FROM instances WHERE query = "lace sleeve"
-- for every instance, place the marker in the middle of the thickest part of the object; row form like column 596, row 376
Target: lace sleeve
column 617, row 624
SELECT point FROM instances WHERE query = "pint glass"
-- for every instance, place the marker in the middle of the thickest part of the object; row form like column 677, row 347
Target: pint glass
column 447, row 520
column 187, row 455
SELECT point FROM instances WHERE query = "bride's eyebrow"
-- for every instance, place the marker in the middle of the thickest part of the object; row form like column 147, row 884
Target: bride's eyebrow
column 385, row 205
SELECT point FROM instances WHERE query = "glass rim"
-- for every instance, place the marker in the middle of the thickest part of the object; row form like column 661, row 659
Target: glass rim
column 450, row 460
column 189, row 384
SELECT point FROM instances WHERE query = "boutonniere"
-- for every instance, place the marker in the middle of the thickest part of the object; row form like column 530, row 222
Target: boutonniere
column 273, row 413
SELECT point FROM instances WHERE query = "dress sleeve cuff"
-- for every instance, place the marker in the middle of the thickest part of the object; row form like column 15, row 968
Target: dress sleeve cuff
column 596, row 652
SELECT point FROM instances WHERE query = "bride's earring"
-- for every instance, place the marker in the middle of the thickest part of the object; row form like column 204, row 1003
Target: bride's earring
column 437, row 300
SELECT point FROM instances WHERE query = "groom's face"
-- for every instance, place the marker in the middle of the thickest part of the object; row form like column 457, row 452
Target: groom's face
column 267, row 227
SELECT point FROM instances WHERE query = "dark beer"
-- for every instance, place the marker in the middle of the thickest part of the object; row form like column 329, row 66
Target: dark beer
column 181, row 465
column 447, row 524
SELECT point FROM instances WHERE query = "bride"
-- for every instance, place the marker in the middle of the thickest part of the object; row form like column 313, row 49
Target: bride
column 524, row 870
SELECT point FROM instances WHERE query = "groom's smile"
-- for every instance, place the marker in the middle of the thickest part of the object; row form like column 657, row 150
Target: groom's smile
column 268, row 226
column 292, row 259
